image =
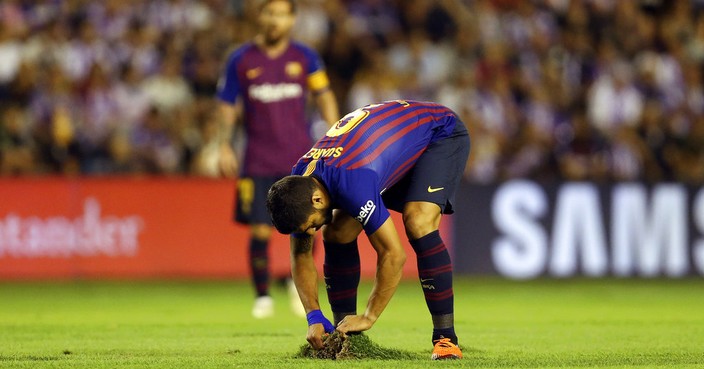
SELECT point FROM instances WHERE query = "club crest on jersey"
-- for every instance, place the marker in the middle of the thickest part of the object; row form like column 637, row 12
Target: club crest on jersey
column 366, row 212
column 254, row 72
column 293, row 69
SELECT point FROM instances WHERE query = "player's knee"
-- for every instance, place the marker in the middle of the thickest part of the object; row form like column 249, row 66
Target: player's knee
column 420, row 220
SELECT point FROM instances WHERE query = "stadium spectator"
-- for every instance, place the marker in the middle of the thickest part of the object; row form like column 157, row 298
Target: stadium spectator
column 54, row 121
column 154, row 145
column 16, row 146
column 98, row 120
column 10, row 54
column 581, row 150
column 130, row 97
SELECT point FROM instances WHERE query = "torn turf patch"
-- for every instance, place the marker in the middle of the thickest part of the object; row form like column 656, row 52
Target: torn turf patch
column 339, row 346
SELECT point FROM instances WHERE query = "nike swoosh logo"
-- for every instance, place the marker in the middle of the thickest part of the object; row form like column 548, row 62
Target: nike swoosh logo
column 431, row 190
column 425, row 280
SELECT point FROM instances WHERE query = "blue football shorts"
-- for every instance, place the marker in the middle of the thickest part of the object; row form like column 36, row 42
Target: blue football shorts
column 435, row 176
column 250, row 202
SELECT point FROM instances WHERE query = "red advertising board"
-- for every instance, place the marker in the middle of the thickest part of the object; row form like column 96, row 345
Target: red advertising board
column 115, row 227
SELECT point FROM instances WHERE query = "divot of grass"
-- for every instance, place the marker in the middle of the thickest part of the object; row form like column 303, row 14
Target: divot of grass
column 339, row 346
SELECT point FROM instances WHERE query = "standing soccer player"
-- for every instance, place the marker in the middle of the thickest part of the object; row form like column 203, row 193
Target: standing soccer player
column 407, row 156
column 265, row 84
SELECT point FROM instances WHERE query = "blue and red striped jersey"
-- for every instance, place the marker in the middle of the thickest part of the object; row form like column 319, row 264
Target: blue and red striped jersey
column 372, row 148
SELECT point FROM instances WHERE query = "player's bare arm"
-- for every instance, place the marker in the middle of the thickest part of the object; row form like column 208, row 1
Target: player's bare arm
column 305, row 276
column 228, row 117
column 328, row 106
column 390, row 260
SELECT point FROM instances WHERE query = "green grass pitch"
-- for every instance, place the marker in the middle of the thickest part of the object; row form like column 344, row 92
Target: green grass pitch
column 615, row 323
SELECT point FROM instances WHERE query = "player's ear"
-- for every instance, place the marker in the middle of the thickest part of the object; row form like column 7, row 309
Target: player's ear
column 318, row 200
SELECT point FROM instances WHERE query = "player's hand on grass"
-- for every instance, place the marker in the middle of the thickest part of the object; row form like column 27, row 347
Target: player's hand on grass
column 318, row 326
column 316, row 334
column 354, row 323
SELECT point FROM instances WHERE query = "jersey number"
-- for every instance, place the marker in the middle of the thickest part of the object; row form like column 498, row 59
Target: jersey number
column 351, row 120
column 348, row 122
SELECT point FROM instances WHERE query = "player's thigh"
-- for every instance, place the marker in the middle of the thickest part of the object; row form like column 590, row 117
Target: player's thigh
column 435, row 177
column 250, row 201
column 342, row 229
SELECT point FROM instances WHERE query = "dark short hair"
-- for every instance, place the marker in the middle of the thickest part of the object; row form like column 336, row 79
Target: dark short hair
column 291, row 3
column 289, row 202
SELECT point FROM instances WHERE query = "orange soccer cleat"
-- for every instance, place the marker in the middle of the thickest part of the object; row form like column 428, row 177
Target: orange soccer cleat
column 445, row 349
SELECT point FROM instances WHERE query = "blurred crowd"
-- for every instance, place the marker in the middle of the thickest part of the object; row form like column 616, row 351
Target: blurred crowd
column 600, row 90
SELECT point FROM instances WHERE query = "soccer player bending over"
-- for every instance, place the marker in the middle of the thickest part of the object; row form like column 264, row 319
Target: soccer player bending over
column 406, row 156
